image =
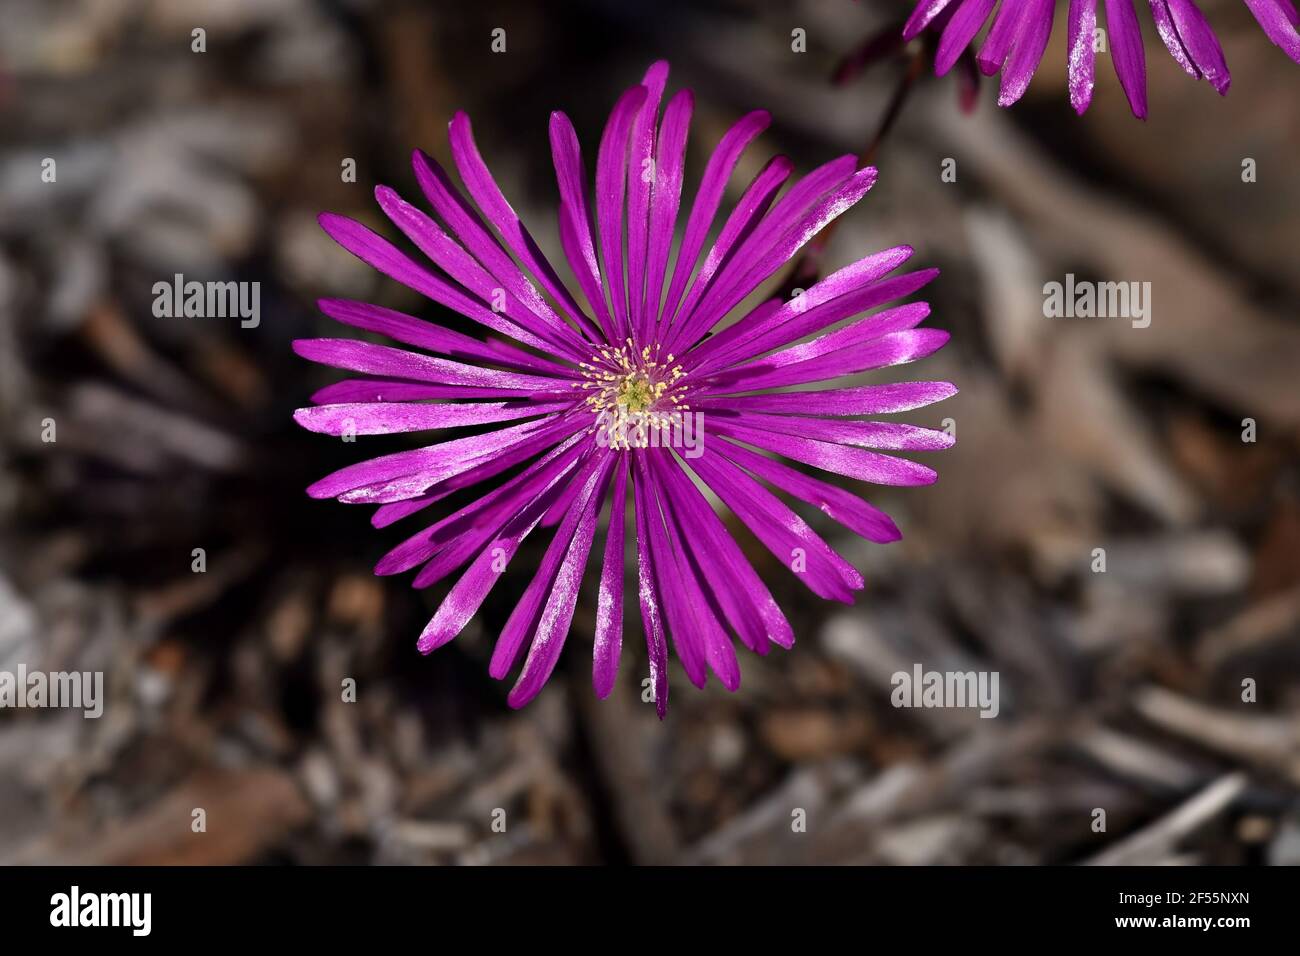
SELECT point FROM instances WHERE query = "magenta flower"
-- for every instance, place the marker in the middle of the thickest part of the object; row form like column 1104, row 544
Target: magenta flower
column 586, row 391
column 1015, row 42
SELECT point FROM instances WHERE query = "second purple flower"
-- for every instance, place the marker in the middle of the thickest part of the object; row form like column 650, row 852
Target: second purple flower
column 1020, row 29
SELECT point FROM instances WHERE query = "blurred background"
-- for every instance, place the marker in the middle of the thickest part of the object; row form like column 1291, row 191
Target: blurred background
column 1120, row 690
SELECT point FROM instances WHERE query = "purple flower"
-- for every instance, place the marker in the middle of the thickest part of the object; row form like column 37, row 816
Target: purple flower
column 566, row 379
column 1015, row 42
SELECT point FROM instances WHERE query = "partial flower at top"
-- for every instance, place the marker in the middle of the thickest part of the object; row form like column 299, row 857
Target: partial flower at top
column 589, row 389
column 1020, row 30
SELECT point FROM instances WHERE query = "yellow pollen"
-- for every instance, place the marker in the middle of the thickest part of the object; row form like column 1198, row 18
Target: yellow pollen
column 635, row 393
column 631, row 389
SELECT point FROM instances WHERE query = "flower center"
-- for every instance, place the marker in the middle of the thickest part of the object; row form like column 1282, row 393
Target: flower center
column 635, row 393
column 630, row 391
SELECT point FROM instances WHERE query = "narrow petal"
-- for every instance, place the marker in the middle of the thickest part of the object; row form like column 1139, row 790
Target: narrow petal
column 1027, row 53
column 1127, row 52
column 862, row 400
column 609, row 604
column 748, row 603
column 380, row 254
column 391, row 418
column 1006, row 24
column 641, row 174
column 648, row 594
column 478, row 514
column 561, row 429
column 468, row 593
column 700, row 610
column 611, row 186
column 406, row 474
column 670, row 164
column 1281, row 24
column 771, row 247
column 784, row 533
column 921, row 17
column 359, row 356
column 717, row 172
column 409, row 330
column 960, row 31
column 839, row 459
column 481, row 185
column 1082, row 53
column 897, row 319
column 395, row 390
column 574, row 219
column 683, row 629
column 840, row 505
column 452, row 258
column 896, row 348
column 749, row 210
column 758, row 333
column 572, row 546
column 466, row 225
column 891, row 436
column 1191, row 41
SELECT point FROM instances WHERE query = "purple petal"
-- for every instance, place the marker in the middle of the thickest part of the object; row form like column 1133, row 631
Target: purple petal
column 1082, row 53
column 409, row 330
column 468, row 593
column 864, row 330
column 609, row 605
column 574, row 220
column 670, row 163
column 921, row 17
column 466, row 225
column 1280, row 22
column 611, row 185
column 1127, row 52
column 891, row 436
column 759, row 332
column 752, row 205
column 393, row 390
column 571, row 547
column 554, row 431
column 748, row 603
column 850, row 462
column 780, row 530
column 863, row 400
column 1006, row 24
column 699, row 608
column 390, row 418
column 406, row 474
column 1191, row 41
column 896, row 348
column 683, row 628
column 648, row 593
column 379, row 253
column 960, row 31
column 358, row 356
column 782, row 233
column 640, row 179
column 838, row 504
column 485, row 514
column 485, row 191
column 717, row 171
column 1027, row 53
